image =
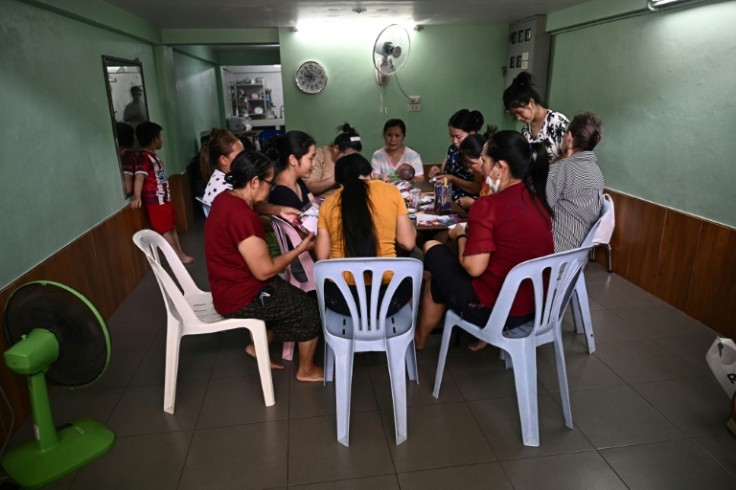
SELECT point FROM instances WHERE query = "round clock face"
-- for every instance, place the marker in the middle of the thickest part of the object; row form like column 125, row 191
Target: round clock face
column 311, row 77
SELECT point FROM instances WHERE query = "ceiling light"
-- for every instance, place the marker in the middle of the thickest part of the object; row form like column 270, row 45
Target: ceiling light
column 657, row 4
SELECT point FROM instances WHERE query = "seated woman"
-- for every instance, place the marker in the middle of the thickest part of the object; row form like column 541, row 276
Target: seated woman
column 575, row 183
column 365, row 218
column 470, row 153
column 388, row 159
column 215, row 158
column 503, row 229
column 293, row 154
column 464, row 182
column 243, row 276
column 321, row 181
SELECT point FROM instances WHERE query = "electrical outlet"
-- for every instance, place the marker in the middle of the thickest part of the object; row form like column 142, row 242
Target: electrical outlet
column 415, row 103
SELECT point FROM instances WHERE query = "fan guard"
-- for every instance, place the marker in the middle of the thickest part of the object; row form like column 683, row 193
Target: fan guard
column 390, row 52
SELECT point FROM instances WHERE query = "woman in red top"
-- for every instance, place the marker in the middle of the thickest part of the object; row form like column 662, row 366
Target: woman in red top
column 243, row 276
column 504, row 229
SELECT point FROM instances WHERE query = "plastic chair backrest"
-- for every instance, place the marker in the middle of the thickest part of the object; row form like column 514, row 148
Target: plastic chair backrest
column 606, row 208
column 368, row 320
column 553, row 278
column 205, row 206
column 300, row 272
column 607, row 222
column 178, row 296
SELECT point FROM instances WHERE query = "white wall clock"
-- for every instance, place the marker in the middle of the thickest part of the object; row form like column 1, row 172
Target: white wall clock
column 311, row 77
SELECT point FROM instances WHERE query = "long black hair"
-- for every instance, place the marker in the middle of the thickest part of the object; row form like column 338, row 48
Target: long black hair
column 246, row 166
column 527, row 161
column 358, row 229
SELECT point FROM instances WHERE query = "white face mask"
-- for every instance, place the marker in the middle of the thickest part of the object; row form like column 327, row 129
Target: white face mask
column 493, row 185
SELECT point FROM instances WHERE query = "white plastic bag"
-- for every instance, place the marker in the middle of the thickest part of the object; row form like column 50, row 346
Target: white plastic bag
column 721, row 358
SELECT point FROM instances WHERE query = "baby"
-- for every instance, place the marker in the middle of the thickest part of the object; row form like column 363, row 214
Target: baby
column 405, row 172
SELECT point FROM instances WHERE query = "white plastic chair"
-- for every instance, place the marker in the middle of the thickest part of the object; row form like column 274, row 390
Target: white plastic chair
column 205, row 206
column 550, row 303
column 300, row 273
column 368, row 329
column 599, row 234
column 192, row 313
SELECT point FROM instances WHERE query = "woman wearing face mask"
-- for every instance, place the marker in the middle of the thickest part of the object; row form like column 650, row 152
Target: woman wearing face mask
column 464, row 182
column 575, row 183
column 293, row 154
column 503, row 229
column 322, row 182
column 541, row 125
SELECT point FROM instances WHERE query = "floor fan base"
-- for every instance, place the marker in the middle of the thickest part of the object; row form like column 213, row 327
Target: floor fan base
column 79, row 443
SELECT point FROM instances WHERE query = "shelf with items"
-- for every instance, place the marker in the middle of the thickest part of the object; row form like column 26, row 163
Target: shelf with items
column 252, row 100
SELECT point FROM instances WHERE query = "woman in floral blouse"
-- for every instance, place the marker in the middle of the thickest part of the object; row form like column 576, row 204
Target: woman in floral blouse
column 541, row 125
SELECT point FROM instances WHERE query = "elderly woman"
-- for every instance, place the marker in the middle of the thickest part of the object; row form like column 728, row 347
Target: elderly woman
column 575, row 183
column 243, row 276
column 508, row 227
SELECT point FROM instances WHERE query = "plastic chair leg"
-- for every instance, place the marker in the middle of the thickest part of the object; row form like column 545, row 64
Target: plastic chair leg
column 444, row 347
column 581, row 312
column 329, row 364
column 260, row 341
column 562, row 376
column 173, row 342
column 411, row 362
column 396, row 356
column 343, row 386
column 287, row 353
column 525, row 378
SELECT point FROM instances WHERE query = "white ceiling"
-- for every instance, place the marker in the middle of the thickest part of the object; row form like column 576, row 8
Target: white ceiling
column 234, row 14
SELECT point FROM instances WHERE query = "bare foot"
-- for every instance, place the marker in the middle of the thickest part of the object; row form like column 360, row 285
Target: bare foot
column 314, row 375
column 251, row 351
column 186, row 259
column 477, row 345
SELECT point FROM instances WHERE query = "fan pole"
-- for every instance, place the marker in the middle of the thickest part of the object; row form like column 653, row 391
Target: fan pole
column 42, row 419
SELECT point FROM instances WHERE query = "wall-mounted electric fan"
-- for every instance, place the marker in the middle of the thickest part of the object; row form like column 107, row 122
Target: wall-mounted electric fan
column 390, row 52
column 55, row 333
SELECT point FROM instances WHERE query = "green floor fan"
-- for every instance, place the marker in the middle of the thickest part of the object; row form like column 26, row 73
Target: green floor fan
column 55, row 333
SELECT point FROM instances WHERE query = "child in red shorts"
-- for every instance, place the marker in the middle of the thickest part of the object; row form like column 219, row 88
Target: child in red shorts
column 151, row 187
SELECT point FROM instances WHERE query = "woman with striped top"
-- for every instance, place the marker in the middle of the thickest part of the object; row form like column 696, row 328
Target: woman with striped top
column 575, row 183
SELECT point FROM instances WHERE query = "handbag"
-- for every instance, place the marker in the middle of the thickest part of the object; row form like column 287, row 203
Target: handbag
column 721, row 358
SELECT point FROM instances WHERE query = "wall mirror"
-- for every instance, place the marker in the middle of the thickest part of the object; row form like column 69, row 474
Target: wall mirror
column 126, row 94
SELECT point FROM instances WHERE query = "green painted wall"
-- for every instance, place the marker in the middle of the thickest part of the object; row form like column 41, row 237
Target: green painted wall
column 663, row 82
column 59, row 174
column 197, row 108
column 450, row 67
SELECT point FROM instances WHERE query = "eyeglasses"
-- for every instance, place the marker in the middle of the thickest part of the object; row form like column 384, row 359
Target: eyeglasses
column 271, row 185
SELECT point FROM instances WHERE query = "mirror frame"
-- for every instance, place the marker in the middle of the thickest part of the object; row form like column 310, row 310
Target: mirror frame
column 112, row 61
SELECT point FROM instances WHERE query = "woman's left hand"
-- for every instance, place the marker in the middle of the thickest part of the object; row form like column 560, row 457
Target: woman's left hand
column 465, row 202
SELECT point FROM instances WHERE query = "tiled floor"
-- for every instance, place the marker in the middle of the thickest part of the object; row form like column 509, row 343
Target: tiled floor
column 647, row 412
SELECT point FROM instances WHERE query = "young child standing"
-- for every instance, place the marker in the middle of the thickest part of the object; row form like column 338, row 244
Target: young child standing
column 151, row 186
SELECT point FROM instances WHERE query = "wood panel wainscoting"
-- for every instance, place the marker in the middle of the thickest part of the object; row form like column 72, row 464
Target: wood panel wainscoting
column 104, row 265
column 686, row 261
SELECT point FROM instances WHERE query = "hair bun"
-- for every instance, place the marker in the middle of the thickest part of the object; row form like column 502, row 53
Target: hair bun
column 230, row 178
column 523, row 79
